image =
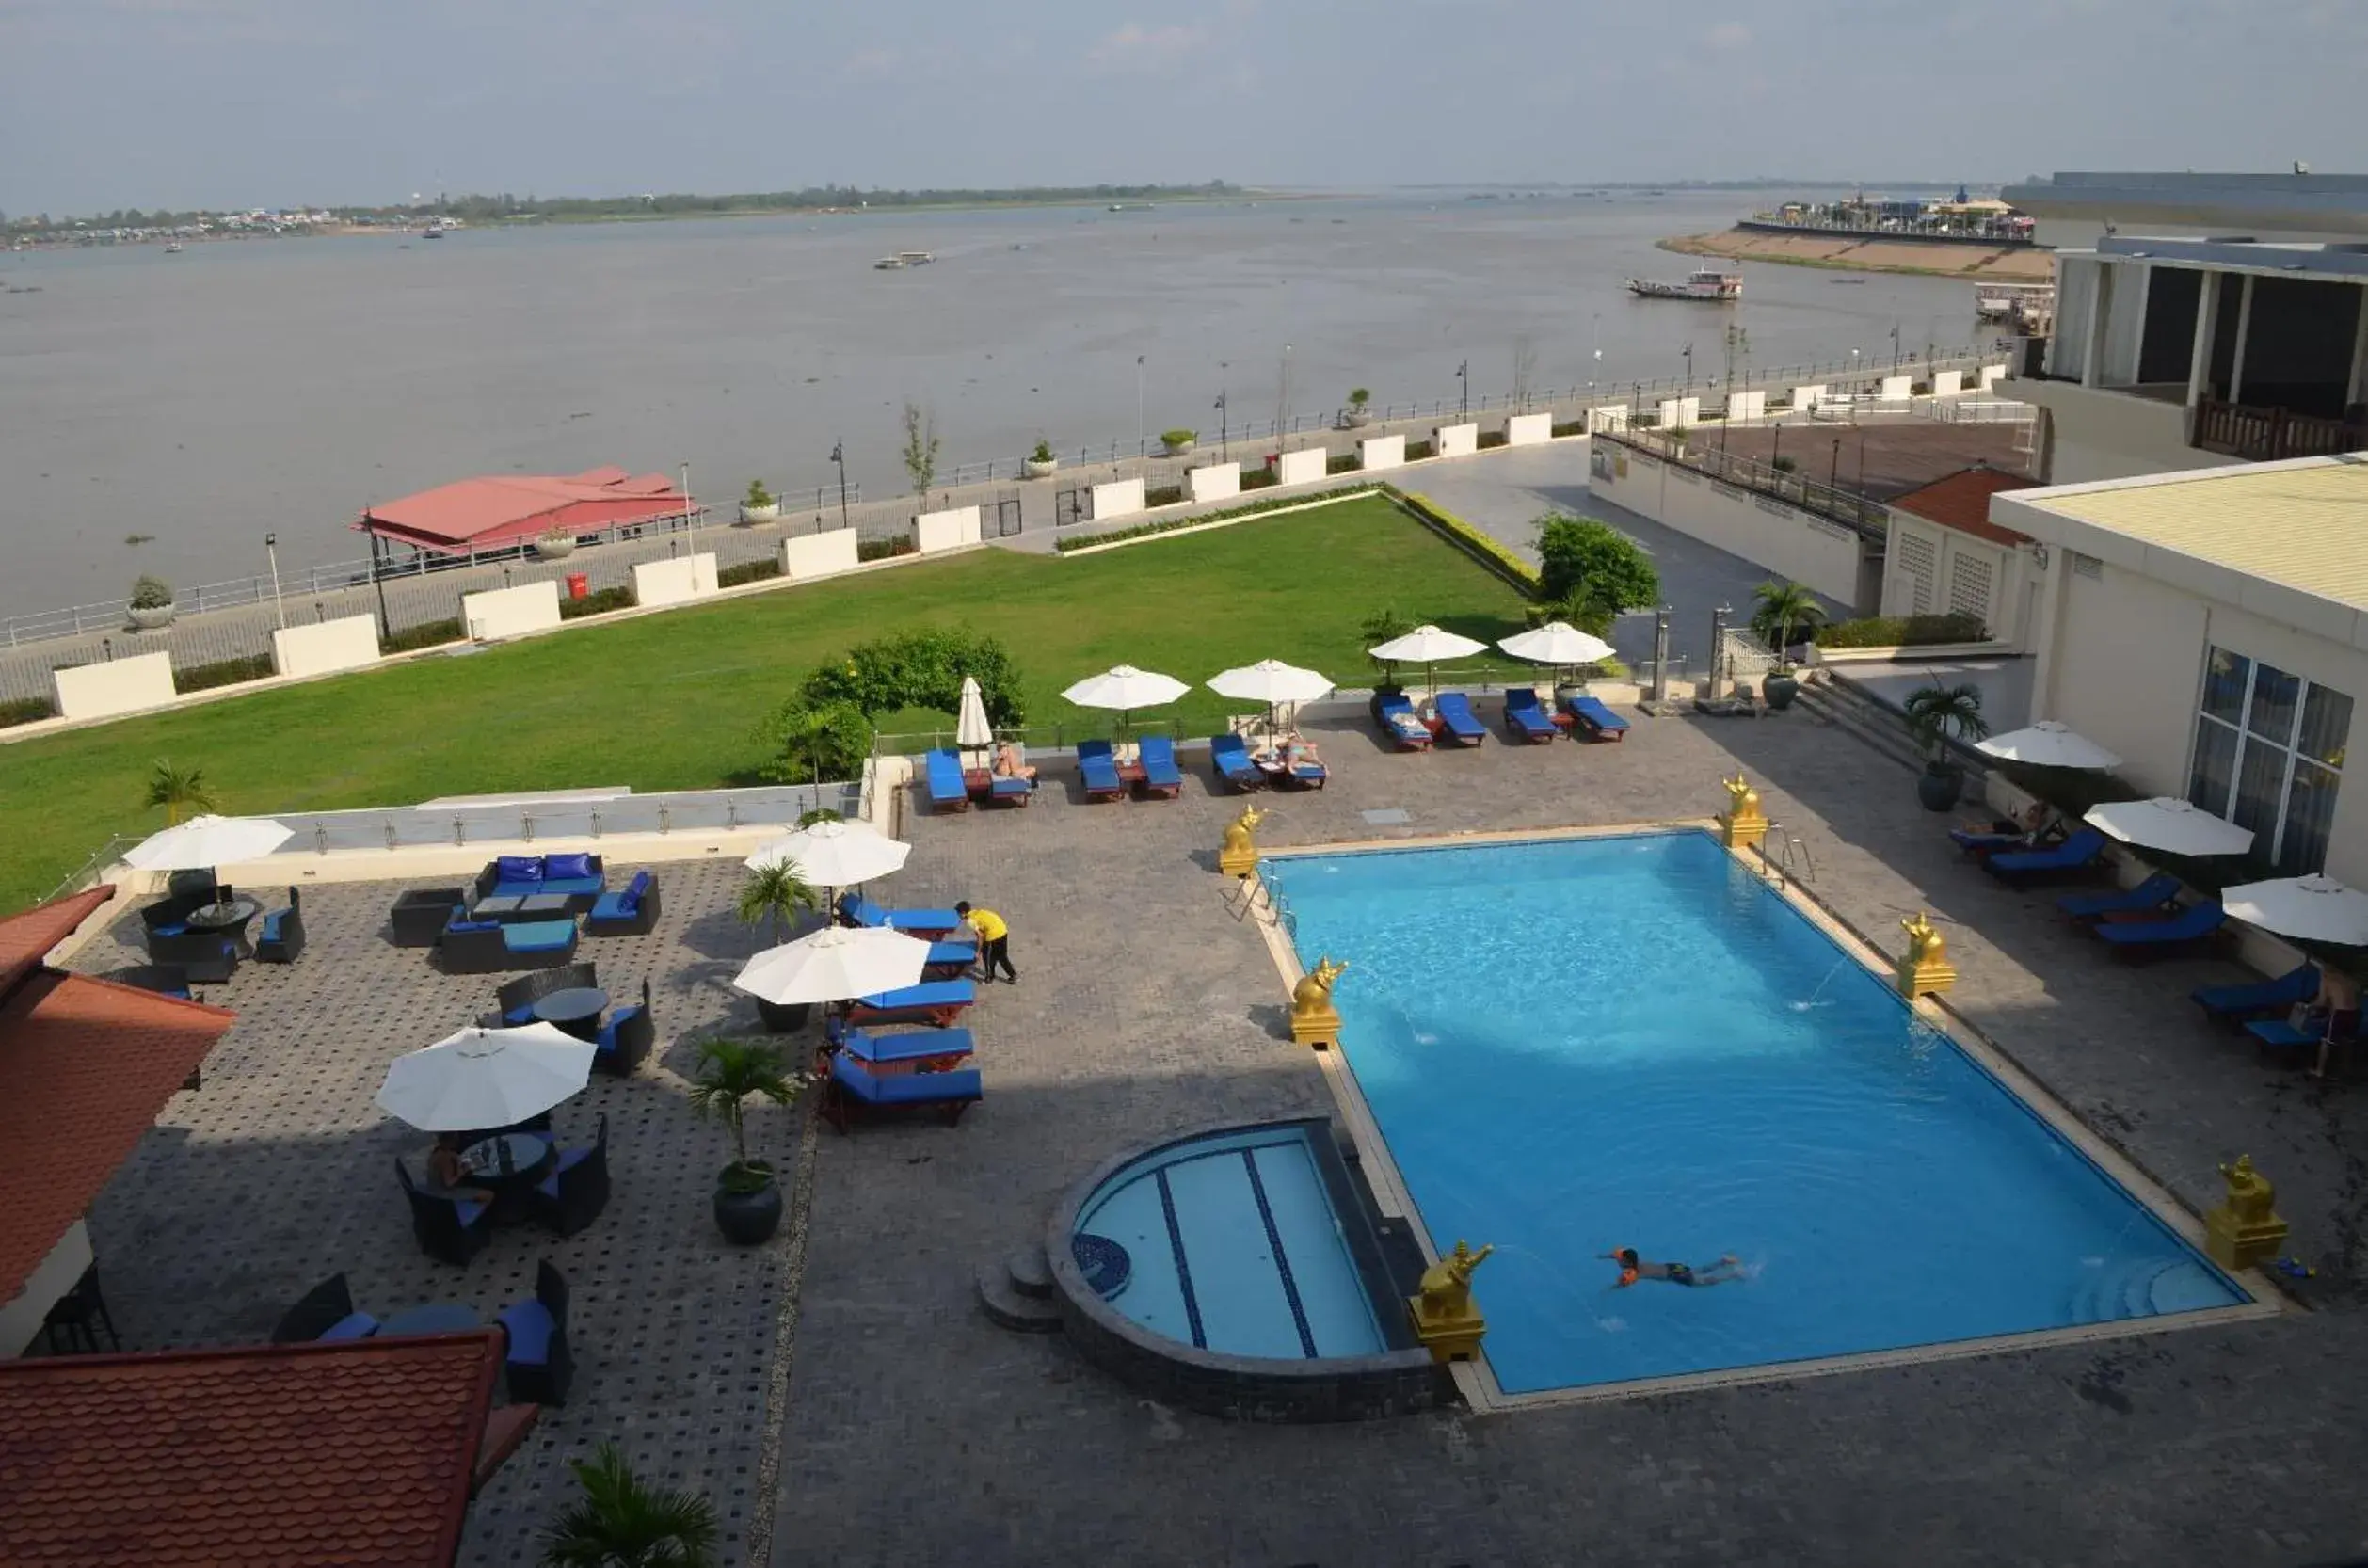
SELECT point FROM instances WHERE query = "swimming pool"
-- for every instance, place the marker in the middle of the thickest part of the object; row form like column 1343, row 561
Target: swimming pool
column 1578, row 1044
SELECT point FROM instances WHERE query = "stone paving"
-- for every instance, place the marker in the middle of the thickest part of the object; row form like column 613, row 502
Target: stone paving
column 917, row 1433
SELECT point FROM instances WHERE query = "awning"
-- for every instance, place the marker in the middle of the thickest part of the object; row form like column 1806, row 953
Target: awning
column 501, row 510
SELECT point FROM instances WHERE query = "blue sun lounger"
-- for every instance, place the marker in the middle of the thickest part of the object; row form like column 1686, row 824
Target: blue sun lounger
column 930, row 924
column 1230, row 759
column 923, row 1044
column 2147, row 938
column 2236, row 1004
column 1600, row 721
column 1400, row 724
column 1974, row 842
column 1455, row 711
column 1525, row 717
column 2081, row 851
column 949, row 960
column 931, row 1001
column 1097, row 770
column 943, row 774
column 854, row 1091
column 1161, row 776
column 2159, row 890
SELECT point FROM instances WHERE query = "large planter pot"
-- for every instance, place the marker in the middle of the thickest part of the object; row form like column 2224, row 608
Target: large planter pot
column 1176, row 449
column 1354, row 419
column 1939, row 786
column 1778, row 688
column 769, row 512
column 784, row 1020
column 1040, row 468
column 1570, row 692
column 555, row 549
column 747, row 1217
column 152, row 617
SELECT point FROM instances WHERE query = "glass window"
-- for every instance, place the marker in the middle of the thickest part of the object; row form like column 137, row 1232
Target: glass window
column 2215, row 767
column 2275, row 694
column 2309, row 819
column 2224, row 681
column 2268, row 755
column 2326, row 720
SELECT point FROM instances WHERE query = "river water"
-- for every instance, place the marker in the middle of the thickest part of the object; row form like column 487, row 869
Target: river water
column 237, row 389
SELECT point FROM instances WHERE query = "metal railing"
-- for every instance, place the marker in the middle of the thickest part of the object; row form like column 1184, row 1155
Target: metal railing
column 1869, row 518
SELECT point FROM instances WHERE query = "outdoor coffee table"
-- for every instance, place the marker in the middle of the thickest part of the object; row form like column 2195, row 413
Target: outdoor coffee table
column 513, row 910
column 576, row 1009
column 508, row 1165
column 231, row 919
column 503, row 907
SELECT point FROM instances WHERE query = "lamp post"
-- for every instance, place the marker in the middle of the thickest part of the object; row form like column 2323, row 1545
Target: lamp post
column 1222, row 433
column 690, row 516
column 838, row 456
column 1140, row 447
column 271, row 548
column 1463, row 390
column 1833, row 478
column 1283, row 399
column 1895, row 348
column 1688, row 352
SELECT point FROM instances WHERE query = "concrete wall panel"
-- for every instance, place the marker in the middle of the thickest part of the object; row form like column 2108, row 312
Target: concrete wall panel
column 811, row 555
column 1947, row 383
column 1776, row 537
column 1300, row 467
column 1528, row 429
column 947, row 529
column 344, row 644
column 1119, row 498
column 675, row 581
column 1217, row 482
column 499, row 612
column 1376, row 452
column 113, row 686
column 1456, row 441
column 1895, row 389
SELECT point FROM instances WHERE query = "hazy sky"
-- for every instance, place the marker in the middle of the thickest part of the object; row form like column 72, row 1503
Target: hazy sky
column 233, row 102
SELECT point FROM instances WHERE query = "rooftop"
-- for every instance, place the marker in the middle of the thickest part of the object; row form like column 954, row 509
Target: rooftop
column 1961, row 501
column 510, row 508
column 2286, row 539
column 2287, row 203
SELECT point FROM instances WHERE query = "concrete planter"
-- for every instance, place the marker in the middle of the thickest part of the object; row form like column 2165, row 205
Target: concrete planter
column 1040, row 468
column 1356, row 419
column 555, row 549
column 152, row 617
column 769, row 512
column 1778, row 688
column 1176, row 449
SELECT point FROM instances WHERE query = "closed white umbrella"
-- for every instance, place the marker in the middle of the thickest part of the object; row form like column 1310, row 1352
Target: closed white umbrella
column 208, row 840
column 1271, row 681
column 1557, row 643
column 485, row 1078
column 971, row 728
column 833, row 965
column 1125, row 688
column 2171, row 824
column 2049, row 744
column 834, row 854
column 1429, row 644
column 2314, row 908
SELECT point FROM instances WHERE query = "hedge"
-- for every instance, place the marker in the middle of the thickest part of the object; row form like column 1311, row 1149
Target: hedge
column 1901, row 631
column 1166, row 495
column 1346, row 462
column 225, row 672
column 433, row 633
column 882, row 550
column 599, row 603
column 1258, row 478
column 1491, row 438
column 748, row 571
column 1473, row 542
column 1169, row 525
column 25, row 710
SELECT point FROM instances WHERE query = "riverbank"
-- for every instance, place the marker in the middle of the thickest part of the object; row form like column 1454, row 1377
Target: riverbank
column 1843, row 253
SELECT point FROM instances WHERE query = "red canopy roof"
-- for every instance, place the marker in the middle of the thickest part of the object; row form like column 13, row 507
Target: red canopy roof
column 507, row 509
column 1962, row 501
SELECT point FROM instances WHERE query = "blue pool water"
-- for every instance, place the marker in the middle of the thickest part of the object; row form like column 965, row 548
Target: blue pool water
column 1231, row 1245
column 1576, row 1045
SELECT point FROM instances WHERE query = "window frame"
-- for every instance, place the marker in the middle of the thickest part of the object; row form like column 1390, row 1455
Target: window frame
column 2241, row 729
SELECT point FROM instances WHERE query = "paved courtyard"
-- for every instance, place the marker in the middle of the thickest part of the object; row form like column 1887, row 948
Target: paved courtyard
column 914, row 1432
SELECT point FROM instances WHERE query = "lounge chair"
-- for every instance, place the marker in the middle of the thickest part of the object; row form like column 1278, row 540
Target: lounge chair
column 2083, row 852
column 2197, row 923
column 572, row 1196
column 630, row 911
column 1097, row 771
column 912, row 1051
column 2238, row 1003
column 1398, row 721
column 1230, row 759
column 948, row 790
column 324, row 1312
column 2158, row 892
column 851, row 1092
column 1599, row 722
column 1456, row 717
column 282, row 940
column 1525, row 717
column 949, row 960
column 1161, row 776
column 929, row 924
column 1975, row 842
column 1307, row 775
column 626, row 1037
column 931, row 1001
column 452, row 1230
column 1010, row 789
column 537, row 1365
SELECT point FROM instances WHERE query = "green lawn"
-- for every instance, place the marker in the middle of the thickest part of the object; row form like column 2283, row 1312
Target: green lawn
column 670, row 701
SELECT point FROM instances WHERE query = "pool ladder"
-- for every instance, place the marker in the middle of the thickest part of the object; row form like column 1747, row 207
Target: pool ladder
column 1786, row 857
column 1256, row 895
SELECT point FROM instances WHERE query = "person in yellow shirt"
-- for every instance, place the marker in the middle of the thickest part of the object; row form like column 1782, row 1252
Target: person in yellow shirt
column 995, row 941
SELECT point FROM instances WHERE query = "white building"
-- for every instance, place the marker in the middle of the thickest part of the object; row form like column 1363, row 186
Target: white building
column 1944, row 555
column 2211, row 628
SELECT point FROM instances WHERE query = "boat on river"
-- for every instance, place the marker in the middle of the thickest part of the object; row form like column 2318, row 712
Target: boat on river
column 1705, row 283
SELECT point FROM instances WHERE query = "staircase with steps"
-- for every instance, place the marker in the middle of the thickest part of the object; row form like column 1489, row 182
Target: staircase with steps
column 1017, row 1292
column 1845, row 707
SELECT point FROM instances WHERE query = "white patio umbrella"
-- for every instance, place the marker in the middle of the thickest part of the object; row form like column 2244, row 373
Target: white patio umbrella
column 1271, row 681
column 2168, row 823
column 1125, row 688
column 971, row 729
column 2315, row 908
column 834, row 963
column 834, row 854
column 485, row 1078
column 1557, row 643
column 2049, row 744
column 1428, row 645
column 205, row 841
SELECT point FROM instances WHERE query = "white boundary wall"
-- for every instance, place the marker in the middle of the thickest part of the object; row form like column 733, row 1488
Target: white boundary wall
column 1379, row 452
column 1774, row 536
column 1528, row 429
column 1991, row 376
column 1947, row 383
column 1217, row 482
column 1300, row 467
column 499, row 612
column 1807, row 396
column 947, row 529
column 348, row 643
column 1895, row 389
column 1676, row 411
column 1118, row 498
column 1607, row 416
column 113, row 686
column 811, row 555
column 1746, row 404
column 1456, row 441
column 674, row 582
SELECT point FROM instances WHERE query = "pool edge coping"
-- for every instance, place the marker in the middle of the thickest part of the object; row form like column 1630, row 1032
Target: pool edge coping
column 1476, row 1380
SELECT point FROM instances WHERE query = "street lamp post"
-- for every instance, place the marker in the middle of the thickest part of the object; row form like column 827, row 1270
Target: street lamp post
column 1833, row 478
column 1895, row 348
column 1283, row 400
column 271, row 548
column 1223, row 434
column 838, row 456
column 690, row 516
column 1140, row 447
column 1689, row 393
column 1463, row 390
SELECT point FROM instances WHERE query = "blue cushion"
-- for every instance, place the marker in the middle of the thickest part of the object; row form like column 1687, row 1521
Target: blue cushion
column 640, row 883
column 271, row 926
column 519, row 1018
column 517, row 868
column 539, row 936
column 559, row 867
column 530, row 1326
column 471, row 1210
column 474, row 925
column 354, row 1325
column 570, row 885
column 175, row 930
column 612, row 907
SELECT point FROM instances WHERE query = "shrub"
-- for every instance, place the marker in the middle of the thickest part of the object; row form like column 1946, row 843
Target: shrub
column 1571, row 427
column 1418, row 450
column 757, row 495
column 598, row 603
column 1258, row 478
column 881, row 549
column 1380, row 627
column 1166, row 495
column 1902, row 632
column 1490, row 437
column 1043, row 453
column 748, row 571
column 1344, row 462
column 225, row 672
column 1592, row 567
column 1783, row 465
column 432, row 633
column 1470, row 539
column 1179, row 438
column 804, row 742
column 151, row 593
column 1169, row 525
column 919, row 669
column 25, row 710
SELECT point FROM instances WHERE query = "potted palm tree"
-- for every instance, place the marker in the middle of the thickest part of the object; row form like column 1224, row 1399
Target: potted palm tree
column 151, row 606
column 1040, row 462
column 1782, row 609
column 621, row 1523
column 760, row 504
column 748, row 1199
column 1358, row 411
column 1937, row 716
column 774, row 895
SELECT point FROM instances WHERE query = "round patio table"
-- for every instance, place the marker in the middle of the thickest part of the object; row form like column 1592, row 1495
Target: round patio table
column 435, row 1318
column 230, row 919
column 509, row 1166
column 576, row 1009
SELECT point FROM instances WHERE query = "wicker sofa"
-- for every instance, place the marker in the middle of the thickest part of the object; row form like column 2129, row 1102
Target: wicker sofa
column 580, row 878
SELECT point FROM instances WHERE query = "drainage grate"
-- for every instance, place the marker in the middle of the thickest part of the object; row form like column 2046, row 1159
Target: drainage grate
column 1387, row 816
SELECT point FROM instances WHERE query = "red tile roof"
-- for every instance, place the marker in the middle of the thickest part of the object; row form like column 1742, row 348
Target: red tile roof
column 266, row 1456
column 25, row 939
column 84, row 1067
column 508, row 508
column 1961, row 501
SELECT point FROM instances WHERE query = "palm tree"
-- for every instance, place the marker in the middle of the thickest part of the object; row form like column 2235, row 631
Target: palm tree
column 730, row 1072
column 1938, row 714
column 180, row 791
column 620, row 1523
column 775, row 892
column 1782, row 609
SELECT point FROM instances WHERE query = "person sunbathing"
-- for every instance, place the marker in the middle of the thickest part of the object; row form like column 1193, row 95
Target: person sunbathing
column 1011, row 761
column 1300, row 754
column 1633, row 1269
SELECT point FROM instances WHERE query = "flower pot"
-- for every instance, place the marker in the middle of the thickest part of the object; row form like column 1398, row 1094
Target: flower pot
column 555, row 549
column 1354, row 419
column 1176, row 449
column 1778, row 688
column 1939, row 786
column 1040, row 468
column 746, row 1217
column 769, row 512
column 1570, row 692
column 152, row 617
column 782, row 1019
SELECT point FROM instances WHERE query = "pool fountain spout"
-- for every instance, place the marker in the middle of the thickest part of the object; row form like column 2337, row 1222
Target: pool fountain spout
column 1742, row 825
column 1446, row 1320
column 1239, row 855
column 1314, row 1020
column 2244, row 1230
column 1925, row 969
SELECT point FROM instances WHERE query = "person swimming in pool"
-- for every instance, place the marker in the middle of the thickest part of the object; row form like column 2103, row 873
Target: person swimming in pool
column 1633, row 1269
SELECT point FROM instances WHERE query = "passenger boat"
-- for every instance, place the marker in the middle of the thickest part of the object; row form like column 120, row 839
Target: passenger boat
column 914, row 258
column 889, row 264
column 1705, row 283
column 2011, row 301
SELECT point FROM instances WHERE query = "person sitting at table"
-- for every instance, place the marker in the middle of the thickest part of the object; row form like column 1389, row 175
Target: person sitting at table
column 448, row 1174
column 1011, row 761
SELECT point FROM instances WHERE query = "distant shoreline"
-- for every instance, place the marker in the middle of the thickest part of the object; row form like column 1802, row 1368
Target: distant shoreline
column 1844, row 253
